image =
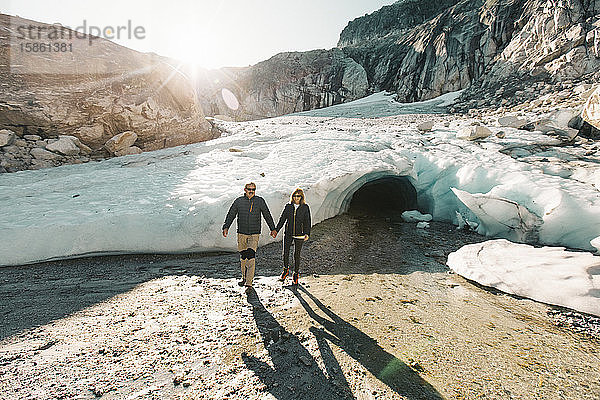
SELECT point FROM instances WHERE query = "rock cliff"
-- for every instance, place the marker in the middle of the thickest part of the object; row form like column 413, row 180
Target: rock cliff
column 554, row 49
column 421, row 49
column 283, row 84
column 90, row 95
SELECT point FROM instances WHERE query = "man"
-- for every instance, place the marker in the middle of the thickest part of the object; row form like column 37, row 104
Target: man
column 248, row 209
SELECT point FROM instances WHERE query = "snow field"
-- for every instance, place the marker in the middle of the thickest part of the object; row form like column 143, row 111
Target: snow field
column 175, row 200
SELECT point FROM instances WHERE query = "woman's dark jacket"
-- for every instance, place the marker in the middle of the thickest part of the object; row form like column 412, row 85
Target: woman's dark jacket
column 248, row 213
column 297, row 222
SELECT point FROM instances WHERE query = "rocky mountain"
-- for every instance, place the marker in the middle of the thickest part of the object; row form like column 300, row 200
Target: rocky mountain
column 504, row 53
column 421, row 49
column 553, row 58
column 283, row 84
column 62, row 107
column 506, row 56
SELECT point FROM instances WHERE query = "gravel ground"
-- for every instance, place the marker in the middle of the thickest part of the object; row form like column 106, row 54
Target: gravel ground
column 377, row 315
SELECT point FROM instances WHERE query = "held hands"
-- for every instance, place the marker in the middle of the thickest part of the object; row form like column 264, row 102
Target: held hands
column 273, row 233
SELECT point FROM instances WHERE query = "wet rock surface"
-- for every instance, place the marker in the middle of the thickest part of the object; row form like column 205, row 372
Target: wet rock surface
column 377, row 315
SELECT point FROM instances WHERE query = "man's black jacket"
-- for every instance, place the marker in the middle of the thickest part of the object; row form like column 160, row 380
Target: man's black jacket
column 248, row 213
column 297, row 222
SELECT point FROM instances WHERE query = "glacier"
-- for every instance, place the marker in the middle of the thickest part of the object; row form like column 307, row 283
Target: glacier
column 551, row 275
column 174, row 200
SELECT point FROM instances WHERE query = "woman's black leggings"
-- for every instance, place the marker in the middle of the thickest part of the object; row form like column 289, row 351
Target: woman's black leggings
column 287, row 243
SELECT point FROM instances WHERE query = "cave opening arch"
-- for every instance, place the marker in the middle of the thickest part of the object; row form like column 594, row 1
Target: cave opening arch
column 340, row 193
column 386, row 195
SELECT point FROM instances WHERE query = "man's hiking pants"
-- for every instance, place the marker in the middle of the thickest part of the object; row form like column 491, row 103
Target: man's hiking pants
column 247, row 245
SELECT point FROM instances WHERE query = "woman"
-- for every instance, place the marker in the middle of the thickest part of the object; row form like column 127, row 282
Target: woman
column 296, row 216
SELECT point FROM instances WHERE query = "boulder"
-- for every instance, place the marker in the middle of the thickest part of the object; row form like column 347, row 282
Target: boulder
column 84, row 149
column 7, row 137
column 39, row 164
column 584, row 90
column 64, row 145
column 591, row 110
column 121, row 142
column 562, row 118
column 426, row 126
column 42, row 154
column 11, row 165
column 34, row 138
column 555, row 127
column 512, row 122
column 473, row 132
column 91, row 134
column 11, row 149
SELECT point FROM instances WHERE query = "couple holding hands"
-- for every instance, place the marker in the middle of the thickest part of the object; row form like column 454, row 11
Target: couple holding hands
column 248, row 210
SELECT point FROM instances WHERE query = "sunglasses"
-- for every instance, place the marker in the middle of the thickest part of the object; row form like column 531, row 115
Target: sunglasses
column 296, row 195
column 251, row 190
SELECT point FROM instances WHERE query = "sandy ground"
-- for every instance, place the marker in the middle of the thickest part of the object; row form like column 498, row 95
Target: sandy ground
column 377, row 315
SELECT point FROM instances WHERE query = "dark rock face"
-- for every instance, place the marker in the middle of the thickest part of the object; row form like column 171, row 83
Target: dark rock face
column 448, row 47
column 421, row 49
column 398, row 17
column 283, row 84
column 93, row 94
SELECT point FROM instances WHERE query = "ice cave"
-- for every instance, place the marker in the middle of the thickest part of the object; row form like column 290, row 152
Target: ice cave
column 384, row 196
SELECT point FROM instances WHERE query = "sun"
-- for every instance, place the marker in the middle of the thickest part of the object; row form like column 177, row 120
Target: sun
column 201, row 36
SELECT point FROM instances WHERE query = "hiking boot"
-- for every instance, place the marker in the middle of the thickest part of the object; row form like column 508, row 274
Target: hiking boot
column 242, row 282
column 284, row 274
column 295, row 278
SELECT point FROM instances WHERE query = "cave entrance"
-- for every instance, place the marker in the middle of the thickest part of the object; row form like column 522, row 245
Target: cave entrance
column 384, row 196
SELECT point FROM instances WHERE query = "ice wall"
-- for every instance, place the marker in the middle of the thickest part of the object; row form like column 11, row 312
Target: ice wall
column 175, row 200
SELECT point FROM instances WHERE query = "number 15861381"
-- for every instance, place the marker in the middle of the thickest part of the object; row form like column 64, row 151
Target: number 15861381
column 43, row 47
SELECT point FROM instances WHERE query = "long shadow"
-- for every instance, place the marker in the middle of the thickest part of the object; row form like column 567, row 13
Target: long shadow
column 364, row 349
column 34, row 295
column 294, row 374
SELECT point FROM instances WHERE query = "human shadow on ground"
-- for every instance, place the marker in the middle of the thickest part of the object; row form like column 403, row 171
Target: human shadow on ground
column 364, row 349
column 294, row 374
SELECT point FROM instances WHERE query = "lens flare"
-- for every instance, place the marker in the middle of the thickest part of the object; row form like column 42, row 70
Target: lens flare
column 230, row 99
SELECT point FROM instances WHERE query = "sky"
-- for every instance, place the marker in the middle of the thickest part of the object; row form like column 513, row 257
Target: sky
column 207, row 33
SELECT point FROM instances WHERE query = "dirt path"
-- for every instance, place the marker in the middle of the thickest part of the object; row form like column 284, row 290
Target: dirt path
column 377, row 315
